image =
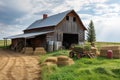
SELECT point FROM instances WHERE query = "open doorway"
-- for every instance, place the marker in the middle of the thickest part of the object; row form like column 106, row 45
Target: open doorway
column 69, row 39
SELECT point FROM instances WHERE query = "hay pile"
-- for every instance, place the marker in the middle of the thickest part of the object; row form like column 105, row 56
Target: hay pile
column 52, row 60
column 59, row 61
column 27, row 50
column 115, row 49
column 39, row 50
column 64, row 60
column 95, row 51
column 48, row 64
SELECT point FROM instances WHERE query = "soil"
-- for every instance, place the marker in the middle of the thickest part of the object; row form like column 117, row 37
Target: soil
column 17, row 66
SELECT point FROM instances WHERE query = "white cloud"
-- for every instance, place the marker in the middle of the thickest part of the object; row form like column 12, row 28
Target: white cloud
column 53, row 6
column 107, row 8
column 105, row 16
column 19, row 5
column 107, row 28
column 97, row 1
column 8, row 30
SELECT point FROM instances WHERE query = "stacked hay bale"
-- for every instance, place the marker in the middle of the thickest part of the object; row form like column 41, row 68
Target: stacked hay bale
column 64, row 60
column 115, row 50
column 59, row 61
column 47, row 64
column 95, row 51
column 27, row 50
column 51, row 60
column 103, row 51
column 39, row 50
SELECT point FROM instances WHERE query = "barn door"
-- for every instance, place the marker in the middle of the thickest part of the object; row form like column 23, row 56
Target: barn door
column 69, row 39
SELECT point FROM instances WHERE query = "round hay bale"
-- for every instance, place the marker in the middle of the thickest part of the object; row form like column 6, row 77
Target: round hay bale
column 63, row 63
column 63, row 58
column 51, row 59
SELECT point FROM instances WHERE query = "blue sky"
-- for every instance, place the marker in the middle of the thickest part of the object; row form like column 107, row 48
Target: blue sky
column 17, row 15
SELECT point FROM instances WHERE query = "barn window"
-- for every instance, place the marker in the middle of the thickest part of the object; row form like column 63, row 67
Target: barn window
column 67, row 18
column 74, row 19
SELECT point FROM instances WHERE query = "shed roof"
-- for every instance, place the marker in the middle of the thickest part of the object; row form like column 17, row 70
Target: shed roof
column 28, row 35
column 49, row 21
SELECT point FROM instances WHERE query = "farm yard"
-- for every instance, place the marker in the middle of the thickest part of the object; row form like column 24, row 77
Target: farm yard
column 59, row 40
column 16, row 66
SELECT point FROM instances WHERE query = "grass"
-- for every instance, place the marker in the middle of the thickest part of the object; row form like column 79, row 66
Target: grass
column 2, row 43
column 100, row 44
column 99, row 68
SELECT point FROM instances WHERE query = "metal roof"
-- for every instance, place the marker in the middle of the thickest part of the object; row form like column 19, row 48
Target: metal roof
column 27, row 35
column 49, row 21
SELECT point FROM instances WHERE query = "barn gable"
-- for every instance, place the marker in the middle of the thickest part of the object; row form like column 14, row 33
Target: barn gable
column 70, row 30
column 51, row 21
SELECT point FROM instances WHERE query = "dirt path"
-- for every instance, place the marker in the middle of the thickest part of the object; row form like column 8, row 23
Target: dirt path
column 16, row 66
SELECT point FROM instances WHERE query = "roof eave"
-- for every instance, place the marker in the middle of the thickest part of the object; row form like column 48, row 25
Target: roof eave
column 39, row 28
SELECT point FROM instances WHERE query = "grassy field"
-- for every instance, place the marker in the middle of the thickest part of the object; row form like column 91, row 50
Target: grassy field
column 2, row 42
column 100, row 44
column 99, row 68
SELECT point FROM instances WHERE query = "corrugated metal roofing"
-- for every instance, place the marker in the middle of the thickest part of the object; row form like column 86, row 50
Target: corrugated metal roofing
column 27, row 35
column 49, row 21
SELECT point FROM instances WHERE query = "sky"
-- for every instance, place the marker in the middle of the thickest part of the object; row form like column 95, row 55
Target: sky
column 17, row 15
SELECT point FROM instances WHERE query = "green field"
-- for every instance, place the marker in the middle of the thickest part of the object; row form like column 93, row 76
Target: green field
column 99, row 68
column 2, row 43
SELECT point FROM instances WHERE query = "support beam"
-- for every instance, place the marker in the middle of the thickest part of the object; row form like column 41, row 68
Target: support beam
column 25, row 42
column 4, row 42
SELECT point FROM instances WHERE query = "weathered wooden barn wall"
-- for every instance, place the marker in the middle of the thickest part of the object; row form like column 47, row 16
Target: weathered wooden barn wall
column 50, row 37
column 69, row 26
column 38, row 41
column 14, row 42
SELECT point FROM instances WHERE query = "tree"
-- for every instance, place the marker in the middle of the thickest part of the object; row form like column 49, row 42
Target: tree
column 91, row 36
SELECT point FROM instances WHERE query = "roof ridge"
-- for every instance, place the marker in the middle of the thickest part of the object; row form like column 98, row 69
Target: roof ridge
column 56, row 14
column 61, row 13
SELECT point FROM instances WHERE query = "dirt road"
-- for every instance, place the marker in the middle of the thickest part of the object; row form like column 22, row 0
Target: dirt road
column 16, row 66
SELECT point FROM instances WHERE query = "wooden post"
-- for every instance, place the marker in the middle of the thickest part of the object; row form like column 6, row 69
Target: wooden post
column 4, row 42
column 25, row 42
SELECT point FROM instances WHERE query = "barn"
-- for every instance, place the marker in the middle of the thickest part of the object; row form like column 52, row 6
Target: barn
column 64, row 28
